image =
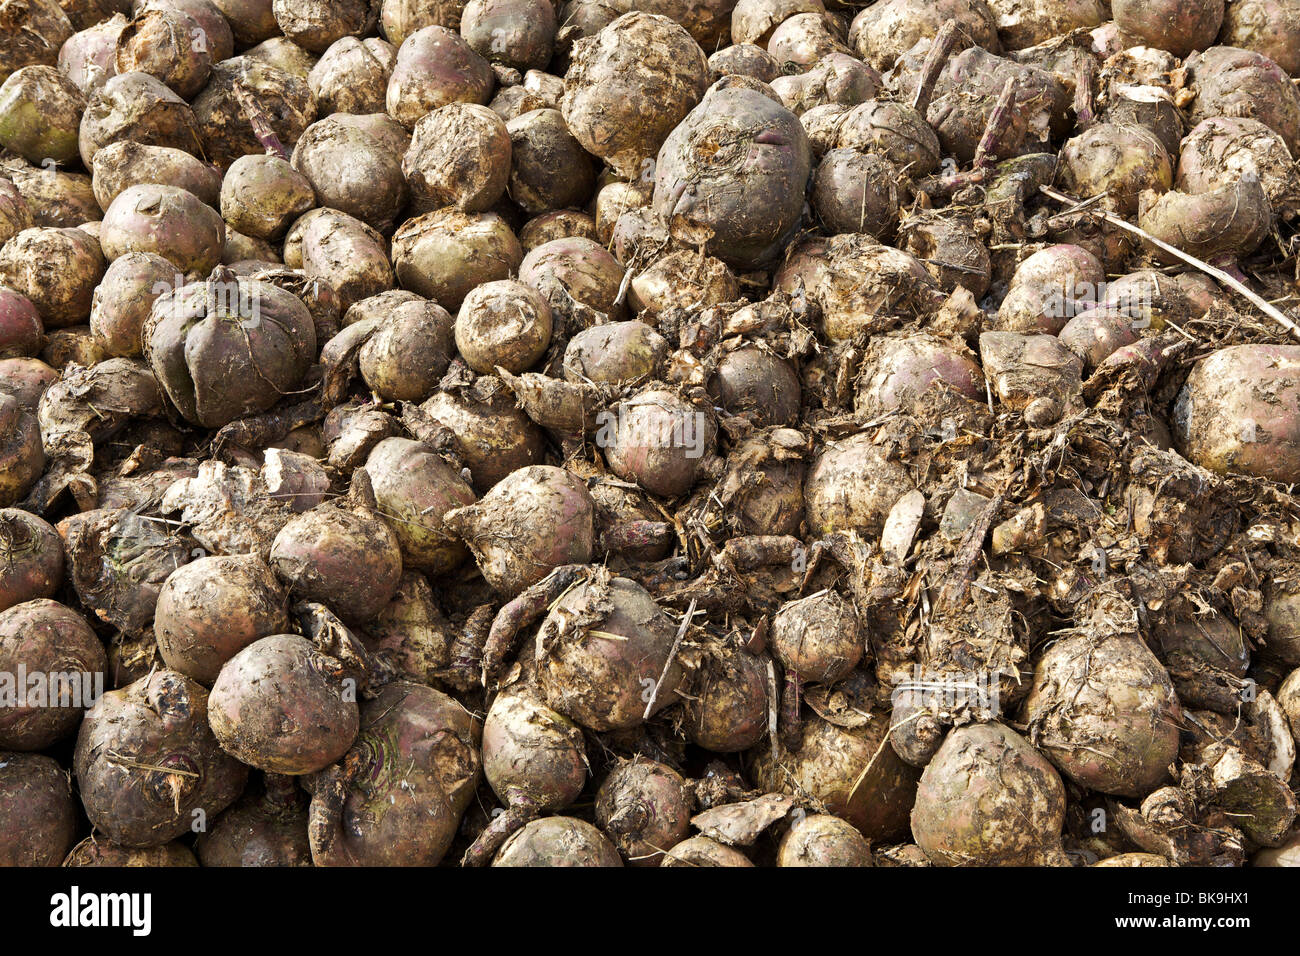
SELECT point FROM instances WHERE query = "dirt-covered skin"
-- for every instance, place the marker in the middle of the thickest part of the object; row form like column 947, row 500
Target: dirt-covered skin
column 57, row 269
column 261, row 829
column 988, row 799
column 823, row 840
column 146, row 762
column 52, row 665
column 38, row 814
column 414, row 489
column 212, row 608
column 643, row 806
column 532, row 756
column 283, row 706
column 165, row 221
column 31, row 558
column 558, row 841
column 397, row 797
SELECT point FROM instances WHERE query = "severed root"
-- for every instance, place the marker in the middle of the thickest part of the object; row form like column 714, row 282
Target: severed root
column 503, row 826
column 632, row 535
column 522, row 611
column 755, row 551
column 945, row 41
column 261, row 123
column 1085, row 109
column 1001, row 138
column 790, row 724
column 466, row 667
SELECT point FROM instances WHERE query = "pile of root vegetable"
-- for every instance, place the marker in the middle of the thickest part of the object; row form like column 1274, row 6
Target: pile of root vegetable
column 641, row 432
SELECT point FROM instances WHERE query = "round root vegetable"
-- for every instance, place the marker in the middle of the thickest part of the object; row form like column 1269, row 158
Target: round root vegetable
column 24, row 380
column 407, row 355
column 535, row 761
column 341, row 554
column 1288, row 698
column 1229, row 221
column 1179, row 26
column 92, row 852
column 40, row 114
column 283, row 54
column 727, row 709
column 22, row 456
column 897, row 371
column 251, row 21
column 54, row 198
column 121, row 165
column 987, row 798
column 492, row 436
column 22, row 334
column 414, row 488
column 167, row 222
column 530, row 523
column 884, row 32
column 459, row 156
column 88, row 58
column 435, row 67
column 376, row 307
column 38, row 815
column 1050, row 287
column 703, row 851
column 216, row 34
column 352, row 76
column 1225, row 149
column 837, row 78
column 57, row 269
column 401, row 18
column 352, row 172
column 756, row 382
column 558, row 224
column 265, row 829
column 848, row 771
column 31, row 558
column 168, row 44
column 639, row 58
column 731, row 177
column 643, row 807
column 516, row 33
column 683, row 280
column 1242, row 83
column 1103, row 710
column 657, row 439
column 856, row 192
column 744, row 59
column 283, row 706
column 70, row 346
column 1270, row 27
column 146, row 761
column 1026, row 23
column 139, row 108
column 1097, row 334
column 15, row 216
column 967, row 93
column 1236, row 412
column 860, row 285
column 343, row 251
column 51, row 668
column 823, row 840
column 503, row 324
column 213, row 607
column 600, row 645
column 558, row 841
column 806, row 39
column 581, row 267
column 897, row 132
column 228, row 347
column 262, row 195
column 284, row 98
column 752, row 21
column 316, row 24
column 1151, row 107
column 616, row 353
column 397, row 797
column 549, row 169
column 853, row 486
column 31, row 33
column 615, row 199
column 444, row 254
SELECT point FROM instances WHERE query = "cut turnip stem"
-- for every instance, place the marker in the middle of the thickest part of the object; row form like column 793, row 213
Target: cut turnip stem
column 522, row 611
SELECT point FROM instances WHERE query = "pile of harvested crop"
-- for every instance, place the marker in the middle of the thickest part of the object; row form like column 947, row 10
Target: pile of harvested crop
column 613, row 433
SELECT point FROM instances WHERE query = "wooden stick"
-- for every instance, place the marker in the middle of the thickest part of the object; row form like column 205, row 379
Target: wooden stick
column 1222, row 277
column 672, row 655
